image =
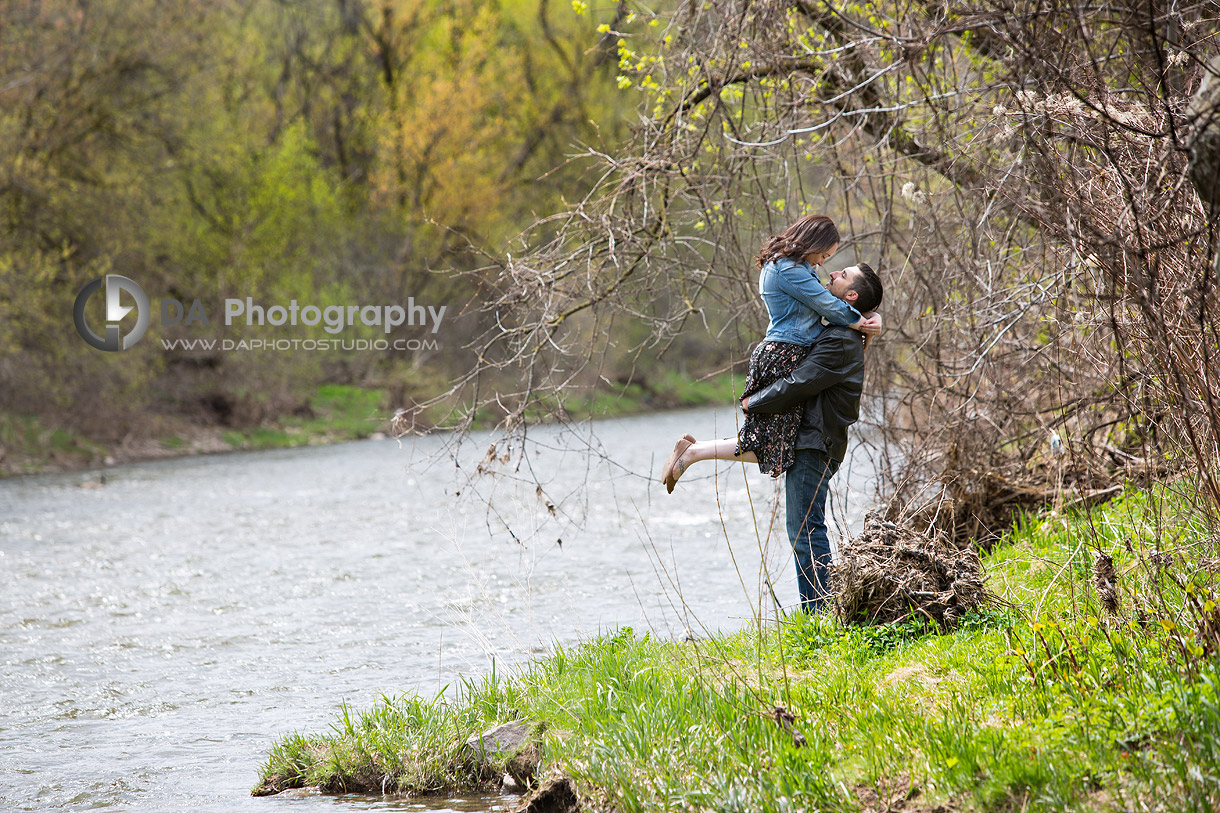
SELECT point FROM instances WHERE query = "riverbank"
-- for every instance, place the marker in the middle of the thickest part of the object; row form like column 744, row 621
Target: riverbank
column 1045, row 702
column 336, row 413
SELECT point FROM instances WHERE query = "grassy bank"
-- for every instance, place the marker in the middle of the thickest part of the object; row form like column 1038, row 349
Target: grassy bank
column 335, row 413
column 30, row 444
column 1049, row 703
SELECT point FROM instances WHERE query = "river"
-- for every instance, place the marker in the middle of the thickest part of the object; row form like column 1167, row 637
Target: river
column 159, row 632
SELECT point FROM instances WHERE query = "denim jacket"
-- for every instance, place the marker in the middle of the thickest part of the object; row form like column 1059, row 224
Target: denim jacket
column 797, row 302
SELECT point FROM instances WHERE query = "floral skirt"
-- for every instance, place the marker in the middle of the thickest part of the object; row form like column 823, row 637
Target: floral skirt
column 772, row 438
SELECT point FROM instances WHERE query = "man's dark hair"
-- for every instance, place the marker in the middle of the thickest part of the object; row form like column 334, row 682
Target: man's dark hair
column 868, row 289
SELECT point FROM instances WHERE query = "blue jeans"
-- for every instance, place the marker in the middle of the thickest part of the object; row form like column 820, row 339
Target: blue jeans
column 806, row 486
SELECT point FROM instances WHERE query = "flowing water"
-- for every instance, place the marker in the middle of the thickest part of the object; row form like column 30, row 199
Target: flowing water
column 160, row 631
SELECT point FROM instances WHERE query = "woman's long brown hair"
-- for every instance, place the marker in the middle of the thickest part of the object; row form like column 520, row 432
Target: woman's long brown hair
column 809, row 234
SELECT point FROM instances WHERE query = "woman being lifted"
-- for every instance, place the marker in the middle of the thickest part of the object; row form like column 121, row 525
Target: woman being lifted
column 796, row 302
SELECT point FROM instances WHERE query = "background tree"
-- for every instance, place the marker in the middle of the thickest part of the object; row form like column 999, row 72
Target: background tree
column 332, row 151
column 1018, row 170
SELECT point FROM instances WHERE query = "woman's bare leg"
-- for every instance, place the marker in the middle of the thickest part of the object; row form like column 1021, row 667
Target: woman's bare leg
column 722, row 449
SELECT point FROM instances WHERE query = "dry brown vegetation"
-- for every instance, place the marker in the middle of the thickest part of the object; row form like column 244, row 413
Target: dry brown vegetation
column 890, row 574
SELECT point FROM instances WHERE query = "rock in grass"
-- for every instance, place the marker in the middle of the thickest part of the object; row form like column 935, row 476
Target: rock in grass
column 502, row 738
column 513, row 748
column 557, row 794
column 892, row 573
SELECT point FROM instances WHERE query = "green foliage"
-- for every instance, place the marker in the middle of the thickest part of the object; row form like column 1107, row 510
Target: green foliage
column 350, row 153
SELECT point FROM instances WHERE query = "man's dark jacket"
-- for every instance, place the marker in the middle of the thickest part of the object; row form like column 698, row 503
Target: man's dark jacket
column 829, row 381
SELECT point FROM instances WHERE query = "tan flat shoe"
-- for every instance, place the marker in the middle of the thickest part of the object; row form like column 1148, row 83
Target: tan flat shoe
column 668, row 474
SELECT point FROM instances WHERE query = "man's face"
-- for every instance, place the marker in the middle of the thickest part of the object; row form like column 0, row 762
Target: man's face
column 842, row 283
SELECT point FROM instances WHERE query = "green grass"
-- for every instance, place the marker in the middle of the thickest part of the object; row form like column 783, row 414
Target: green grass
column 401, row 745
column 723, row 388
column 28, row 445
column 339, row 413
column 1046, row 704
column 667, row 390
column 173, row 442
